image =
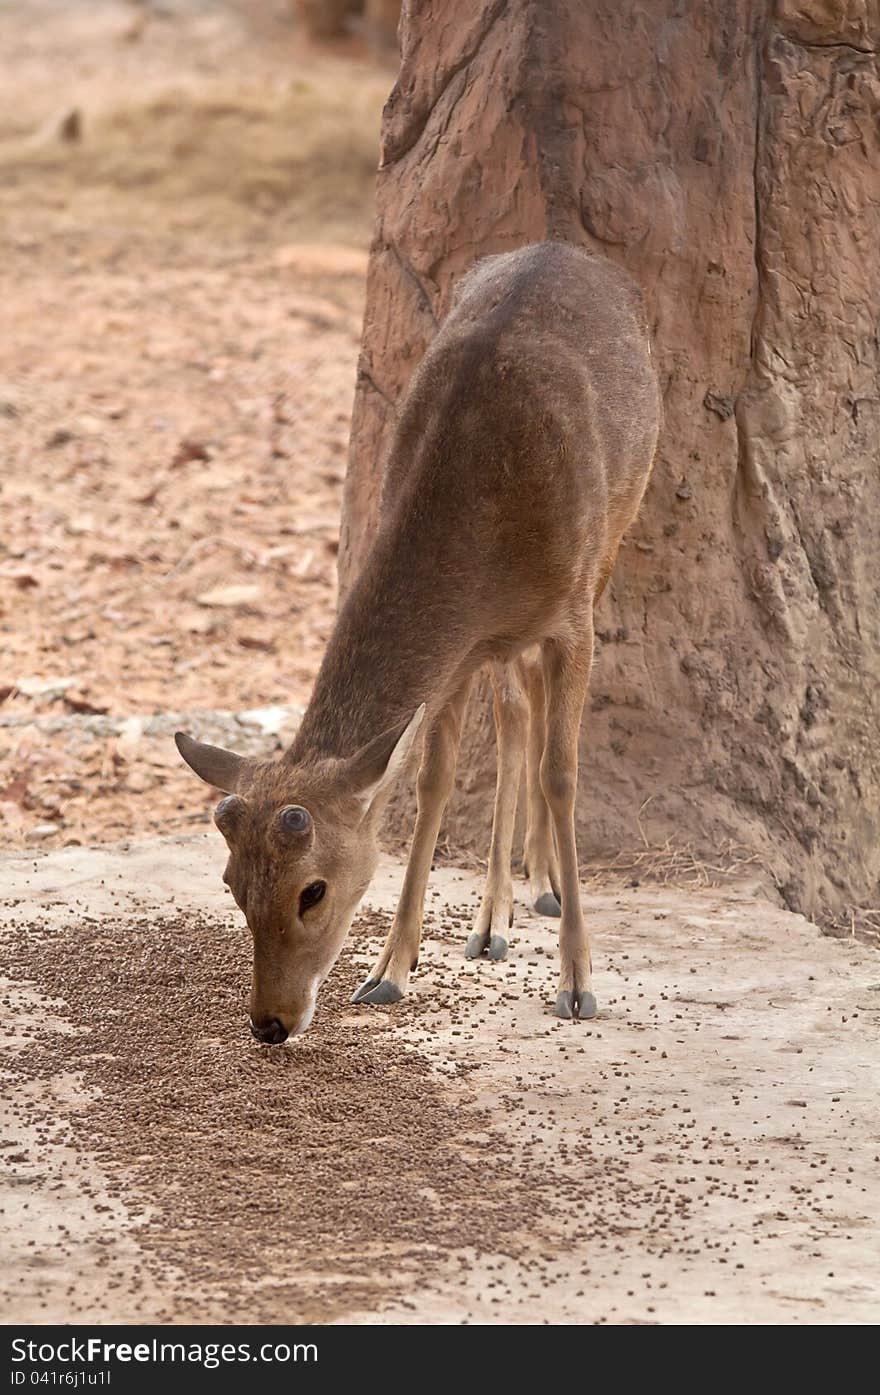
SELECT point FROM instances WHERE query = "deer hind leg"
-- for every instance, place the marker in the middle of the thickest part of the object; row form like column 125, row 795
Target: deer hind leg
column 495, row 915
column 389, row 977
column 566, row 676
column 605, row 571
column 539, row 850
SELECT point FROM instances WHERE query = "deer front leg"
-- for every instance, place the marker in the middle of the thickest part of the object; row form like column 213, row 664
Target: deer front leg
column 566, row 676
column 495, row 915
column 540, row 861
column 389, row 976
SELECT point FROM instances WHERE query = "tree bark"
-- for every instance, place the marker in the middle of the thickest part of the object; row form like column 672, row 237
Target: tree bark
column 728, row 155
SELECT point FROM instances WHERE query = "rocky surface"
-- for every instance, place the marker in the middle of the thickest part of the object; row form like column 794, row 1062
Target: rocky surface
column 731, row 161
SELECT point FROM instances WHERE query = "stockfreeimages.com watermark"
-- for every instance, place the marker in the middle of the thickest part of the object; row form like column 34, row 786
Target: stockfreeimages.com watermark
column 97, row 1351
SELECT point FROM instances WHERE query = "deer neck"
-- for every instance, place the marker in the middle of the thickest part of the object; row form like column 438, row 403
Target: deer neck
column 396, row 643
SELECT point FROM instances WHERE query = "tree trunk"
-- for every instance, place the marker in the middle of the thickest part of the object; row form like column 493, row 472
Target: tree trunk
column 728, row 155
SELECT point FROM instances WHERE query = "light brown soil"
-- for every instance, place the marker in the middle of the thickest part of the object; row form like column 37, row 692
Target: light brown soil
column 182, row 291
column 704, row 1151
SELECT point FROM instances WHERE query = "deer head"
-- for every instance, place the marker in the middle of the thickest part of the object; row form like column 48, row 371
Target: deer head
column 302, row 839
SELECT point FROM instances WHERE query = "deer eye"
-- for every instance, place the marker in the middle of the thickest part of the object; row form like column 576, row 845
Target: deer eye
column 312, row 894
column 295, row 819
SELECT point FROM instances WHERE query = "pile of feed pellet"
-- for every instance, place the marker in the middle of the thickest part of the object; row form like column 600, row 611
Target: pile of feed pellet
column 242, row 1167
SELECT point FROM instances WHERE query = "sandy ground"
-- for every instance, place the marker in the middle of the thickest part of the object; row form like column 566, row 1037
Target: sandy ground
column 704, row 1151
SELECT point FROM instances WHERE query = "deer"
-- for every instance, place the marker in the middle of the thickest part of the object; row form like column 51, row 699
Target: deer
column 520, row 456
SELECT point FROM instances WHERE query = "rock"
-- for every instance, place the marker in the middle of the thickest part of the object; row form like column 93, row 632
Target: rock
column 269, row 720
column 190, row 450
column 246, row 731
column 197, row 623
column 70, row 126
column 236, row 594
column 40, row 832
column 44, row 687
column 128, row 742
column 734, row 170
column 65, row 126
column 59, row 437
column 79, row 702
column 89, row 424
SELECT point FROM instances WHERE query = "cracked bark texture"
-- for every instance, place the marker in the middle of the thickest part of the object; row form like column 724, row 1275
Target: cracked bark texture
column 729, row 156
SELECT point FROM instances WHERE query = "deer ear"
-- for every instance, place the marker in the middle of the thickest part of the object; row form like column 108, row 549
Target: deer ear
column 222, row 769
column 374, row 768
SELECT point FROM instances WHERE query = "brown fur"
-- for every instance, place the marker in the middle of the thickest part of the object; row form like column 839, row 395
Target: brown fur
column 522, row 452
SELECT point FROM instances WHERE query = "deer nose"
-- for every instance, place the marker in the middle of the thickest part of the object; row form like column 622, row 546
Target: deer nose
column 271, row 1032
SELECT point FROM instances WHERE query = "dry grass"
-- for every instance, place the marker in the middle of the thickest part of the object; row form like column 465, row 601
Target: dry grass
column 678, row 865
column 856, row 923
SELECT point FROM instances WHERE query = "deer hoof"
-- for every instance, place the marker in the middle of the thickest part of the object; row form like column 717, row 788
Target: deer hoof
column 547, row 904
column 497, row 947
column 582, row 1005
column 587, row 1006
column 383, row 992
column 364, row 989
column 564, row 1005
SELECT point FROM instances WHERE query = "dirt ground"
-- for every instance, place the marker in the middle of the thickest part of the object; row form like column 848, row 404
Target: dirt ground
column 186, row 200
column 704, row 1151
column 182, row 289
